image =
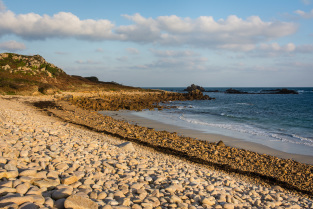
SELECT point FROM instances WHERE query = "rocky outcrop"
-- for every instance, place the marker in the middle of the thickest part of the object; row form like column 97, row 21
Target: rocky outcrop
column 93, row 79
column 133, row 100
column 193, row 87
column 279, row 91
column 235, row 91
column 30, row 65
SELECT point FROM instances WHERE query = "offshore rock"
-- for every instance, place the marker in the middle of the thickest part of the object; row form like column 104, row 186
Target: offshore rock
column 193, row 87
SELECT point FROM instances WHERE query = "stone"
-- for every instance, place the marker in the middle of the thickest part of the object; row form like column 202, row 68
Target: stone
column 48, row 183
column 62, row 193
column 62, row 166
column 128, row 146
column 207, row 201
column 210, row 188
column 6, row 184
column 79, row 202
column 16, row 200
column 220, row 144
column 102, row 196
column 10, row 167
column 38, row 199
column 60, row 203
column 49, row 202
column 69, row 180
column 228, row 206
column 6, row 190
column 24, row 153
column 3, row 160
column 28, row 172
column 22, row 188
column 29, row 205
column 176, row 199
column 8, row 205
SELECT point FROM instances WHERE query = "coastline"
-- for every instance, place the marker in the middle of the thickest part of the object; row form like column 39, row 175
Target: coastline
column 63, row 165
column 229, row 141
column 261, row 168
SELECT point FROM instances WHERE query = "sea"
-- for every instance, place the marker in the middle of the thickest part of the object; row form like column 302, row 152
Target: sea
column 280, row 121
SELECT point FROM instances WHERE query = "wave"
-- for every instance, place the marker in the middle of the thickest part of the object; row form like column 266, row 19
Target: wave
column 251, row 130
column 243, row 103
column 184, row 107
column 305, row 91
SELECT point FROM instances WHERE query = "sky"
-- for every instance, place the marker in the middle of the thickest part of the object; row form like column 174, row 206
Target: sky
column 167, row 43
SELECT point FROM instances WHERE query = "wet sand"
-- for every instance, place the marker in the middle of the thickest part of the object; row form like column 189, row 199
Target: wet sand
column 229, row 141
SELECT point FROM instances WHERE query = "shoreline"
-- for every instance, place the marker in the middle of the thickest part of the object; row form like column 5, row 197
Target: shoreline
column 61, row 164
column 210, row 137
column 262, row 168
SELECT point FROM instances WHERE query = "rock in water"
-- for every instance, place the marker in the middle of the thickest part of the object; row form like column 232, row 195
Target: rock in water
column 193, row 87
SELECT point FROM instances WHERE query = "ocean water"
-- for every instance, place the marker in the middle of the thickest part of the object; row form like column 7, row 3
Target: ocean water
column 283, row 122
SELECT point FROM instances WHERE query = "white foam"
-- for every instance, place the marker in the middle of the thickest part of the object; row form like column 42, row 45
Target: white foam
column 247, row 129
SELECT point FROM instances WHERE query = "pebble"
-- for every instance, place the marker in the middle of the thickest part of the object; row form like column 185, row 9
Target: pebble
column 49, row 163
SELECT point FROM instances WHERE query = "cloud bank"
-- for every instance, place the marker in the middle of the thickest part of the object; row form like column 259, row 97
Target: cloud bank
column 12, row 46
column 232, row 33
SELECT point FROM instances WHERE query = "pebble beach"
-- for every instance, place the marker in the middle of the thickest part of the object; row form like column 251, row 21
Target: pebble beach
column 49, row 163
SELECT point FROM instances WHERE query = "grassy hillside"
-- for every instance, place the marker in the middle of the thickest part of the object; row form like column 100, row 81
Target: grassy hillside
column 33, row 75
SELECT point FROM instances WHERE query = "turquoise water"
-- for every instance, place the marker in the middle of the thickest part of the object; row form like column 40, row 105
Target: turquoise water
column 283, row 122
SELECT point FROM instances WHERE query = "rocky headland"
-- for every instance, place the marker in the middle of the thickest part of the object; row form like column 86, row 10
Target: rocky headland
column 33, row 75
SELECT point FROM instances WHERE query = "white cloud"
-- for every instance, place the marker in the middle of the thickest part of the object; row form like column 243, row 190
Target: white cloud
column 180, row 60
column 87, row 62
column 233, row 33
column 275, row 47
column 173, row 53
column 277, row 50
column 122, row 59
column 132, row 50
column 12, row 46
column 306, row 2
column 60, row 25
column 306, row 15
column 307, row 48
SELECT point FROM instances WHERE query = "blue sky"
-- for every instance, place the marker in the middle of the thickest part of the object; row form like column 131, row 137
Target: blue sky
column 167, row 43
